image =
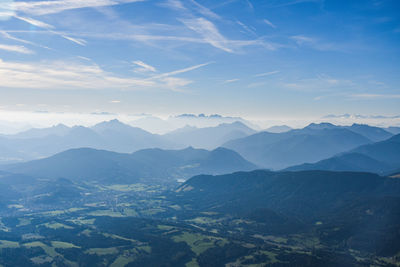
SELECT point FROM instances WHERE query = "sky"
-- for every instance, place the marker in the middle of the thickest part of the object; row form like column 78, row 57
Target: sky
column 261, row 60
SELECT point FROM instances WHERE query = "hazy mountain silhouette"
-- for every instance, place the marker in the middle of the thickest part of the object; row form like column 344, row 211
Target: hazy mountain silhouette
column 373, row 133
column 278, row 129
column 306, row 195
column 209, row 137
column 393, row 130
column 112, row 135
column 59, row 130
column 310, row 144
column 147, row 165
column 379, row 157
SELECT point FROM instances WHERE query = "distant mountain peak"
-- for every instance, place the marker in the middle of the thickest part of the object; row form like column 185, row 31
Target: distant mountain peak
column 278, row 129
column 320, row 126
column 60, row 126
column 111, row 124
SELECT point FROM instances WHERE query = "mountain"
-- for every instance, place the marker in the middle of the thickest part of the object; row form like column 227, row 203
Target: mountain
column 373, row 133
column 386, row 151
column 153, row 124
column 112, row 135
column 306, row 195
column 59, row 130
column 148, row 165
column 209, row 137
column 121, row 137
column 379, row 157
column 278, row 129
column 356, row 210
column 310, row 144
column 393, row 130
column 346, row 162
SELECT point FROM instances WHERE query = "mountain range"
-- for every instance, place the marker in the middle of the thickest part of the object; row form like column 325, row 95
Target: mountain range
column 380, row 157
column 145, row 166
column 310, row 144
column 209, row 137
column 113, row 136
column 357, row 210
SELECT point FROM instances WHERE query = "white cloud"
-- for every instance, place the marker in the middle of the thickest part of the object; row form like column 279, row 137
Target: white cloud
column 56, row 6
column 175, row 72
column 231, row 81
column 35, row 22
column 219, row 41
column 301, row 39
column 74, row 40
column 173, row 4
column 205, row 11
column 9, row 36
column 16, row 48
column 269, row 23
column 49, row 28
column 375, row 96
column 174, row 83
column 209, row 32
column 115, row 101
column 317, row 44
column 64, row 75
column 72, row 75
column 266, row 73
column 143, row 66
column 250, row 5
column 246, row 28
column 321, row 83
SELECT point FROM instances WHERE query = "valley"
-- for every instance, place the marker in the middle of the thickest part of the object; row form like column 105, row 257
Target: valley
column 193, row 224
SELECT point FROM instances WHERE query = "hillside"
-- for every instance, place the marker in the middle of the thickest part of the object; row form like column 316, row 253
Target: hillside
column 310, row 144
column 209, row 137
column 380, row 157
column 334, row 204
column 111, row 135
column 147, row 166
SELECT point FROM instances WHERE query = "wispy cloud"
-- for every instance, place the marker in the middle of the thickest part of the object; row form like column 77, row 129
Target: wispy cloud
column 10, row 37
column 143, row 67
column 175, row 84
column 375, row 96
column 50, row 28
column 56, row 6
column 64, row 75
column 16, row 48
column 204, row 10
column 257, row 84
column 269, row 23
column 317, row 44
column 246, row 28
column 175, row 72
column 115, row 101
column 173, row 4
column 301, row 39
column 233, row 45
column 249, row 4
column 281, row 3
column 72, row 75
column 230, row 81
column 209, row 32
column 266, row 73
column 84, row 58
column 321, row 83
column 69, row 38
column 35, row 22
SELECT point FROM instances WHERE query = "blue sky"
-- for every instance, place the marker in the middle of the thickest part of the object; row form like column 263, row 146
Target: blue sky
column 255, row 59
